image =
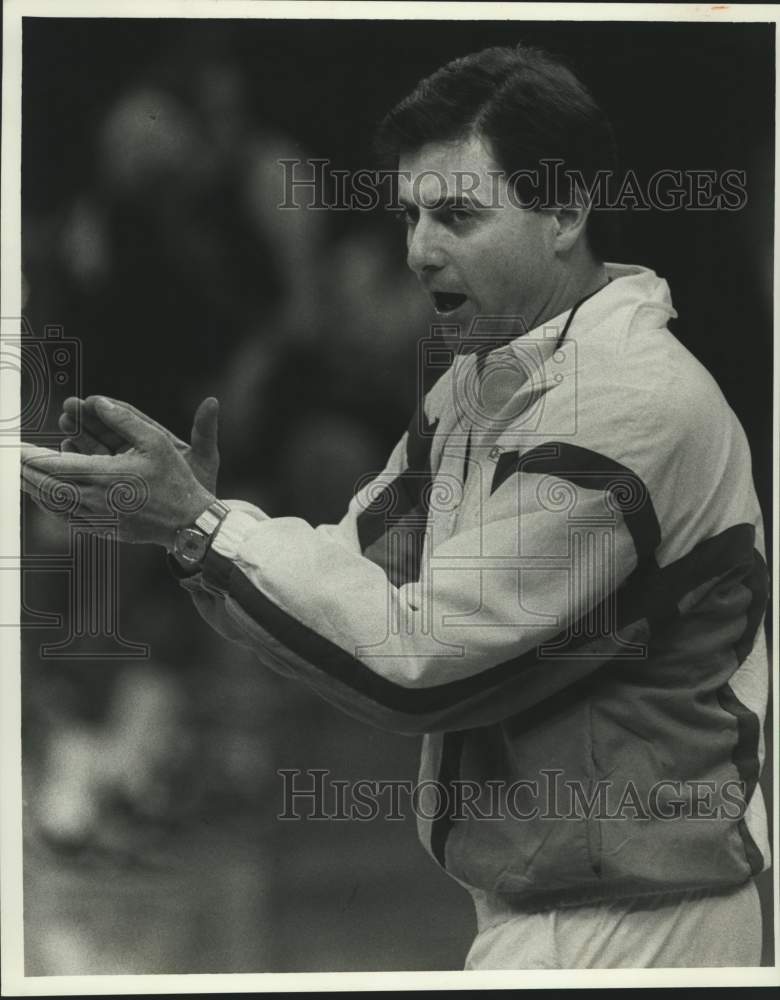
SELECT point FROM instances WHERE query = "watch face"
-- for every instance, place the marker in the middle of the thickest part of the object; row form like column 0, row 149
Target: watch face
column 190, row 545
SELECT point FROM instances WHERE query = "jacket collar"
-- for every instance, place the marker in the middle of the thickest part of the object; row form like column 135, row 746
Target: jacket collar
column 521, row 367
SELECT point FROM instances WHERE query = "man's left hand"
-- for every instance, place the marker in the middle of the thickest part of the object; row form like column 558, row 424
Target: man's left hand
column 169, row 495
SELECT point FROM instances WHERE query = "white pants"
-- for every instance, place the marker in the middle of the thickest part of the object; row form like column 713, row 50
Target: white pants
column 698, row 928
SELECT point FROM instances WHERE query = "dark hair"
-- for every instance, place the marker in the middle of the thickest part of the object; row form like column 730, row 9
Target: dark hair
column 529, row 106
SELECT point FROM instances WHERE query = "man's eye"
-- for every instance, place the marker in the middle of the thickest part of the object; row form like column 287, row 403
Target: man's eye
column 454, row 215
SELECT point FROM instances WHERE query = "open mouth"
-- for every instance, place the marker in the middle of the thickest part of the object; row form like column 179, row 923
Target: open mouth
column 448, row 302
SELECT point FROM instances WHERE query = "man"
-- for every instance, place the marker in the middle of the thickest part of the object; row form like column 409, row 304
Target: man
column 558, row 578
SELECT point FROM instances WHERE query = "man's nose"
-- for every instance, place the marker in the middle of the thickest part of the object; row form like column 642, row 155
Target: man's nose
column 424, row 251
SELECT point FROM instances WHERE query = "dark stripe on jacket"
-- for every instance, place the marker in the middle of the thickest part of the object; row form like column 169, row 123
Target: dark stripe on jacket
column 591, row 471
column 745, row 754
column 449, row 769
column 745, row 758
column 642, row 595
column 391, row 529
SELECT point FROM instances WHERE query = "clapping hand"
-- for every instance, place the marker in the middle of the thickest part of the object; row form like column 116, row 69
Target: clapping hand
column 113, row 444
column 91, row 435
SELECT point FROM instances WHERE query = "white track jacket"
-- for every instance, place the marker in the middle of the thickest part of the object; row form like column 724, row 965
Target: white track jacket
column 559, row 580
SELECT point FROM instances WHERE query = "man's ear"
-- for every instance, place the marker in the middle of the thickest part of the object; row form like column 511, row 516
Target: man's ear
column 568, row 225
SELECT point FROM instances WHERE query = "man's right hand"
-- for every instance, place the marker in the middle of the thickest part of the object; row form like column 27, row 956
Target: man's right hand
column 89, row 435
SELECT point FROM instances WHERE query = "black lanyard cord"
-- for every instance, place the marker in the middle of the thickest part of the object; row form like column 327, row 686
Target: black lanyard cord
column 573, row 313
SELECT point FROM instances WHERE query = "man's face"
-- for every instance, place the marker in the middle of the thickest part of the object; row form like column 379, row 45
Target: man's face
column 473, row 248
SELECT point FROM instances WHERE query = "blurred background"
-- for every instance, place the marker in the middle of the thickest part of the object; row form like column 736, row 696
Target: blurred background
column 151, row 237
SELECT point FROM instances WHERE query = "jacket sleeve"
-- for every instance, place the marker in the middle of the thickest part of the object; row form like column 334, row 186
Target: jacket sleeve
column 520, row 601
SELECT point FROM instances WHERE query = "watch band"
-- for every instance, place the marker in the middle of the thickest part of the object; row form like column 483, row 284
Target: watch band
column 193, row 541
column 212, row 517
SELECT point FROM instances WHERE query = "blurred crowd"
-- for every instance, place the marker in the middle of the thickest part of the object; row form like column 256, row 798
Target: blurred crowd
column 178, row 275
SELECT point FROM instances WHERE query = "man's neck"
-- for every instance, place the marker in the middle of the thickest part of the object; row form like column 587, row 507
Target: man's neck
column 580, row 283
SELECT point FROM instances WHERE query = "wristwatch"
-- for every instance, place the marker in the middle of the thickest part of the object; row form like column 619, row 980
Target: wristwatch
column 192, row 542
